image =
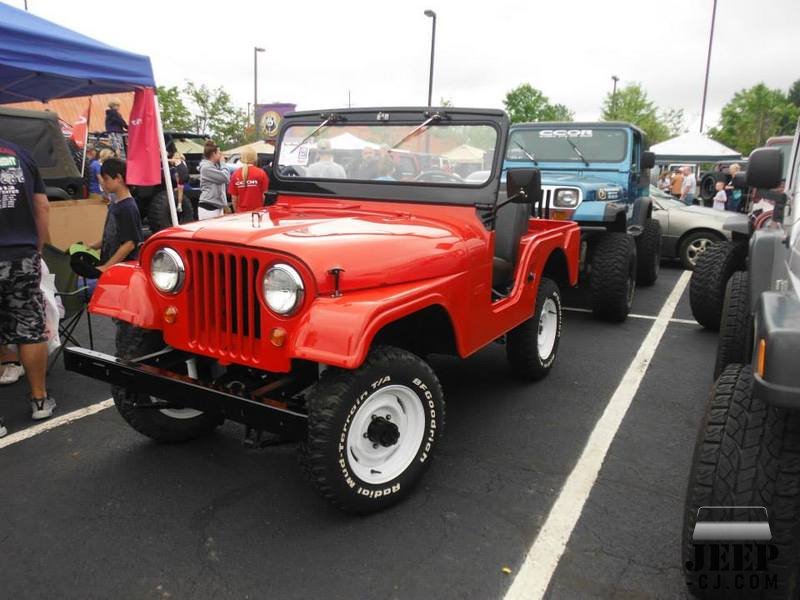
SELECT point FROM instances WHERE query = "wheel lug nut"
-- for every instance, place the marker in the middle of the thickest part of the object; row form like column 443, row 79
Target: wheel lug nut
column 365, row 435
column 375, row 446
column 388, row 417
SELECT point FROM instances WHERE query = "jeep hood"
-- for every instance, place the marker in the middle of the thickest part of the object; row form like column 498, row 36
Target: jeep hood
column 586, row 180
column 373, row 248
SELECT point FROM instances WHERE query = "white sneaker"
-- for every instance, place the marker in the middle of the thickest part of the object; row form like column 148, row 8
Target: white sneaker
column 11, row 373
column 42, row 408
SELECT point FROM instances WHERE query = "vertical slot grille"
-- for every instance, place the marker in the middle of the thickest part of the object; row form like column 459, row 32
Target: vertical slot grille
column 224, row 311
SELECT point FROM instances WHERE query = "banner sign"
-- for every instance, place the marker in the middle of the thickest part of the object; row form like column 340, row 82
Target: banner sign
column 268, row 118
column 144, row 152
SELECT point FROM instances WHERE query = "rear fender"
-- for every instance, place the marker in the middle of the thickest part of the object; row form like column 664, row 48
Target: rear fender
column 642, row 210
column 124, row 292
column 339, row 331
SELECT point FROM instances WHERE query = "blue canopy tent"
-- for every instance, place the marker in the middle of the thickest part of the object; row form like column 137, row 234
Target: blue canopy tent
column 40, row 60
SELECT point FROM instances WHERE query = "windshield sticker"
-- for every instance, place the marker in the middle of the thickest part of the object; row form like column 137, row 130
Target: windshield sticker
column 290, row 157
column 565, row 133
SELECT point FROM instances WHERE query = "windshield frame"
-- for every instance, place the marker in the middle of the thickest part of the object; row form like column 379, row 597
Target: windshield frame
column 624, row 128
column 396, row 191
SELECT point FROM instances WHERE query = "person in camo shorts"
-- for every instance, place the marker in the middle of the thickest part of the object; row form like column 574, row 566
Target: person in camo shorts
column 24, row 221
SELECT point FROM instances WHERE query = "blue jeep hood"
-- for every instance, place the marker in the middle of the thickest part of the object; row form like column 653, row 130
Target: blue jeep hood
column 586, row 180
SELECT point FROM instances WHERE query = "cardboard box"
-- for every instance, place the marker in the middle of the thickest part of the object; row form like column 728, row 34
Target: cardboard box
column 76, row 220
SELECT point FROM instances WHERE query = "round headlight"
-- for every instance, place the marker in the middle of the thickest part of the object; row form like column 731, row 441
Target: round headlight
column 167, row 271
column 566, row 199
column 283, row 289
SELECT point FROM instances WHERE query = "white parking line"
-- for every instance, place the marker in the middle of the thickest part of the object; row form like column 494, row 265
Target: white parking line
column 542, row 559
column 635, row 316
column 19, row 436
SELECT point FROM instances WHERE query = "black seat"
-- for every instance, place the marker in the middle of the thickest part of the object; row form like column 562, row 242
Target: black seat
column 510, row 225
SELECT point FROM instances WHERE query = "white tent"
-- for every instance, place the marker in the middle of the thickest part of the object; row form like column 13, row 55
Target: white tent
column 260, row 147
column 465, row 153
column 348, row 141
column 692, row 148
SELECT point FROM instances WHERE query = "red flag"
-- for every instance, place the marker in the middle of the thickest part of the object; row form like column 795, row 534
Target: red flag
column 80, row 128
column 144, row 152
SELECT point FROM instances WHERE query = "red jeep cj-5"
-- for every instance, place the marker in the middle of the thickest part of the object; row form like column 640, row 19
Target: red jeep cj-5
column 312, row 317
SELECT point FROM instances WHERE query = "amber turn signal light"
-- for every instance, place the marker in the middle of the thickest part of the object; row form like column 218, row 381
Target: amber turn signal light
column 277, row 336
column 170, row 314
column 762, row 357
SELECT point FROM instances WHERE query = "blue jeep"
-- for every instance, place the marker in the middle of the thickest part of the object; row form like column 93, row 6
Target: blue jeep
column 597, row 174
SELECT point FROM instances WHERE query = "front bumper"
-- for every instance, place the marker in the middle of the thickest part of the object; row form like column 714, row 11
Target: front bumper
column 180, row 391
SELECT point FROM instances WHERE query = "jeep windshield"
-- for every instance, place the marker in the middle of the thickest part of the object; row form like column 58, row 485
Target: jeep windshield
column 568, row 145
column 431, row 151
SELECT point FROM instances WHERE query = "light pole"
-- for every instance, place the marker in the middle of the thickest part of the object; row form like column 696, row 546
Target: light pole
column 708, row 65
column 614, row 96
column 432, row 15
column 256, row 50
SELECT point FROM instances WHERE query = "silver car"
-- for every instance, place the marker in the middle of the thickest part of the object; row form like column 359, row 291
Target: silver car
column 686, row 231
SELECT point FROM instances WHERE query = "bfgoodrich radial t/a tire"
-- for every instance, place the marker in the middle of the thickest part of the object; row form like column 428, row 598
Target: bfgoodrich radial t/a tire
column 612, row 279
column 372, row 431
column 747, row 455
column 162, row 425
column 531, row 347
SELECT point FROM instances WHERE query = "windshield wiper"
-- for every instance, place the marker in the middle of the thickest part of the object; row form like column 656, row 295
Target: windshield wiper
column 331, row 118
column 421, row 127
column 530, row 156
column 577, row 151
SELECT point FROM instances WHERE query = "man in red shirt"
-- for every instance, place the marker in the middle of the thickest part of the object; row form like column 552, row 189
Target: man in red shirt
column 249, row 184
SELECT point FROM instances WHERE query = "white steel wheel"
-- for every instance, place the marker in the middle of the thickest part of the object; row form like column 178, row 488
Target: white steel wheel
column 385, row 434
column 179, row 413
column 548, row 329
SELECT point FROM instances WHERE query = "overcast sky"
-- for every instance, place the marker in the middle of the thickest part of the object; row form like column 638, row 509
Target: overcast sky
column 379, row 51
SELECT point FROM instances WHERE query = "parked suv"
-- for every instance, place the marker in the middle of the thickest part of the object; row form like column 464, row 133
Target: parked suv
column 749, row 444
column 314, row 316
column 597, row 174
column 39, row 132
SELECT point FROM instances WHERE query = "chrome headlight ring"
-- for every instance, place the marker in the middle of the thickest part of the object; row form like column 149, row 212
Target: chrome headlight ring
column 283, row 289
column 167, row 271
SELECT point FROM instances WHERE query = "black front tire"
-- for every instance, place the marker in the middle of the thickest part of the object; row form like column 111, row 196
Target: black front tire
column 133, row 342
column 746, row 455
column 648, row 253
column 612, row 278
column 522, row 343
column 710, row 277
column 337, row 404
column 735, row 333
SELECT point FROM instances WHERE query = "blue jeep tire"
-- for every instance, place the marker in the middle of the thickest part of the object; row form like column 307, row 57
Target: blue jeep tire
column 612, row 275
column 648, row 253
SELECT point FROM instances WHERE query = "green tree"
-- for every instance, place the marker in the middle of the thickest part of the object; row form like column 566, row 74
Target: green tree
column 794, row 93
column 216, row 115
column 631, row 104
column 174, row 114
column 526, row 104
column 752, row 116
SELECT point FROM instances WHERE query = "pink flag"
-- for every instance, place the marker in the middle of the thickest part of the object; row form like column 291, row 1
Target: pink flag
column 144, row 153
column 80, row 128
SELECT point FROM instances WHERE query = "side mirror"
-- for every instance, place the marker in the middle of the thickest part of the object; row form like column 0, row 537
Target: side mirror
column 765, row 168
column 740, row 180
column 523, row 185
column 648, row 160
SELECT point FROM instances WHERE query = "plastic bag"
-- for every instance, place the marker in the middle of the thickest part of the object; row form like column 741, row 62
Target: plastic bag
column 53, row 309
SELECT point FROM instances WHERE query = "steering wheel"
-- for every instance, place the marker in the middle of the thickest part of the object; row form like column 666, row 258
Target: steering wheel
column 438, row 176
column 291, row 171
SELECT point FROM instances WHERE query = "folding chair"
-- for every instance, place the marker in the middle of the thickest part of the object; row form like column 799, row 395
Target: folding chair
column 74, row 298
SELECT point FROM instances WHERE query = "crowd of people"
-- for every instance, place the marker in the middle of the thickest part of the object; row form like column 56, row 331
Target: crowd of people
column 24, row 230
column 681, row 183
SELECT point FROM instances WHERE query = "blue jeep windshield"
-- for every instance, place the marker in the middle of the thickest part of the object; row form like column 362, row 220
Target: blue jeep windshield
column 553, row 145
column 383, row 152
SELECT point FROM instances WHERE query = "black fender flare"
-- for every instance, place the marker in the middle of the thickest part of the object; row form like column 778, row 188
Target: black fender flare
column 642, row 210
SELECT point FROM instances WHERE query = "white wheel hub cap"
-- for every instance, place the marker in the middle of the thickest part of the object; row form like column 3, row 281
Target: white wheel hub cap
column 385, row 434
column 548, row 328
column 177, row 413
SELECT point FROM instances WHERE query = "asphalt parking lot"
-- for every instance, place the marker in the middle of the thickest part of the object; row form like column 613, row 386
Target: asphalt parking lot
column 91, row 509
